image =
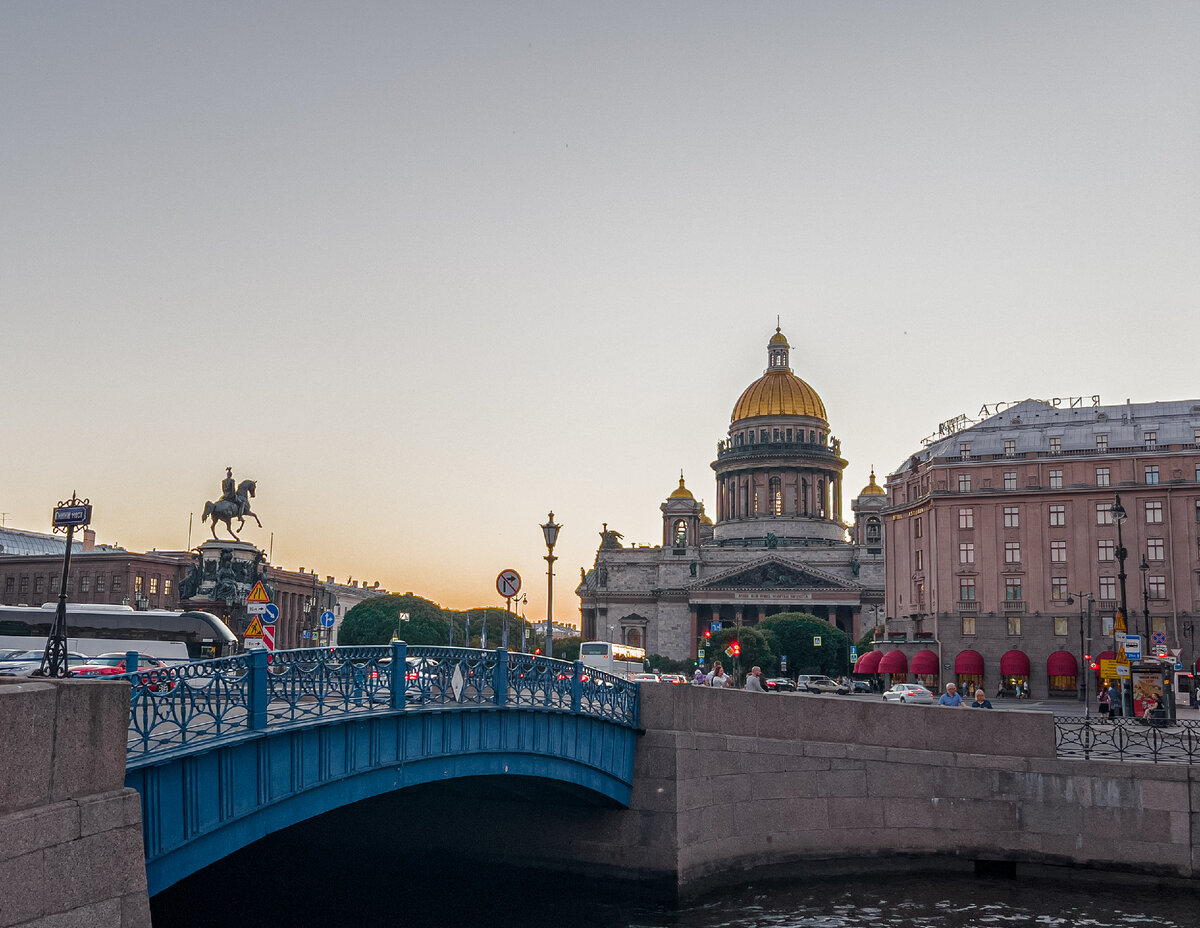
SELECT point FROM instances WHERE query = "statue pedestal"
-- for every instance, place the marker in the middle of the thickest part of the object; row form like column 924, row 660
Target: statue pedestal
column 222, row 577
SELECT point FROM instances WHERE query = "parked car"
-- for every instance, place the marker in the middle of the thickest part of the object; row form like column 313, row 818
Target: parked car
column 675, row 678
column 816, row 683
column 780, row 685
column 908, row 692
column 860, row 686
column 112, row 663
column 24, row 663
column 645, row 678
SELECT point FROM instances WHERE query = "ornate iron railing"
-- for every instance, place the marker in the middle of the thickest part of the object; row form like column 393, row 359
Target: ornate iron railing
column 1159, row 741
column 174, row 709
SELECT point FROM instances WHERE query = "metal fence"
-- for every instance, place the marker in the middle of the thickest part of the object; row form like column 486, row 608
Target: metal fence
column 189, row 706
column 1159, row 741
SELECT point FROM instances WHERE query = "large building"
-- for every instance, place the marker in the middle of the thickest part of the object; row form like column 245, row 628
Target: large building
column 778, row 544
column 1003, row 535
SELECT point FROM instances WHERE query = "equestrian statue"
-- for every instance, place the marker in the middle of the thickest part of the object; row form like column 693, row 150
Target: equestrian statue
column 233, row 504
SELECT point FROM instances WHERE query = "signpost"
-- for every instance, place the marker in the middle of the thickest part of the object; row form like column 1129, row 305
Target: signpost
column 1133, row 647
column 508, row 585
column 270, row 614
column 327, row 619
column 68, row 516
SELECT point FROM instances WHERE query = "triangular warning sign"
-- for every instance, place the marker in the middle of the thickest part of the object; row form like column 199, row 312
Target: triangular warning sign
column 258, row 594
column 254, row 629
column 1120, row 625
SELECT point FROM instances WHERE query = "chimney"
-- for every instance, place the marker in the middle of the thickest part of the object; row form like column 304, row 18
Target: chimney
column 89, row 540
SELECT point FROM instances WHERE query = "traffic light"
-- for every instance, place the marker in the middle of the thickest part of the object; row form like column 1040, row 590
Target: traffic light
column 737, row 649
column 708, row 634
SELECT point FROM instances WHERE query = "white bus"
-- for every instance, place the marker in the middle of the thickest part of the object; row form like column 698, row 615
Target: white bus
column 620, row 660
column 99, row 628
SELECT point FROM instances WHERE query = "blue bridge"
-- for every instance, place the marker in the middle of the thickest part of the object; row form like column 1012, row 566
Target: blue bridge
column 225, row 752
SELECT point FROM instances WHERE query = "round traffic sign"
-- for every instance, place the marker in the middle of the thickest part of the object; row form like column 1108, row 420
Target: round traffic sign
column 508, row 584
column 327, row 619
column 270, row 614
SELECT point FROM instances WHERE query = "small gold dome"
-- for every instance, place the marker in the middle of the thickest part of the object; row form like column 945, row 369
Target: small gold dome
column 681, row 492
column 778, row 338
column 872, row 488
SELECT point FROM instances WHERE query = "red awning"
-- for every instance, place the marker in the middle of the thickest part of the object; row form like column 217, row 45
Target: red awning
column 1061, row 664
column 924, row 662
column 893, row 662
column 1014, row 664
column 869, row 662
column 969, row 662
column 1103, row 656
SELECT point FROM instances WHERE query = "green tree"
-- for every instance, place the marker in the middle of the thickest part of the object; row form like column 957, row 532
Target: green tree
column 792, row 633
column 377, row 620
column 756, row 649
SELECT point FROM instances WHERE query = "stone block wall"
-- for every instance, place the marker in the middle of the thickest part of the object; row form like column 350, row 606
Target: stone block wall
column 70, row 832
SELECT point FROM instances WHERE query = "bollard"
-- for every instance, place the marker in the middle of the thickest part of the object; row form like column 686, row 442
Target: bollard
column 400, row 674
column 500, row 677
column 577, row 688
column 131, row 661
column 256, row 689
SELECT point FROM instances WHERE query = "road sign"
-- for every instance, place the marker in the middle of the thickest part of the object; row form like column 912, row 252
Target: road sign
column 256, row 608
column 783, row 663
column 853, row 653
column 254, row 629
column 258, row 594
column 72, row 516
column 306, row 634
column 270, row 613
column 816, row 641
column 327, row 619
column 729, row 651
column 268, row 638
column 1133, row 647
column 1120, row 622
column 1159, row 638
column 1122, row 669
column 1175, row 652
column 700, row 654
column 508, row 584
column 714, row 626
column 1178, row 665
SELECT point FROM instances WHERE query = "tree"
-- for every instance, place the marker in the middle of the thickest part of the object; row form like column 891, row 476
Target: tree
column 377, row 620
column 792, row 633
column 755, row 648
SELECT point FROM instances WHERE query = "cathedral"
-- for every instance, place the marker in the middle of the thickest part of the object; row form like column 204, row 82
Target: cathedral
column 779, row 542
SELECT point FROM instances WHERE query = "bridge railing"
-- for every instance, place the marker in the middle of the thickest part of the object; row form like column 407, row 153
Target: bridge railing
column 1160, row 741
column 182, row 707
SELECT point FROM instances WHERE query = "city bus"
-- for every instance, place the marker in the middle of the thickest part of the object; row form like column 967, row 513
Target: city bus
column 620, row 660
column 100, row 628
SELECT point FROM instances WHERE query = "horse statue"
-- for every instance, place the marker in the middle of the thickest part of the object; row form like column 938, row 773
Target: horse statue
column 224, row 510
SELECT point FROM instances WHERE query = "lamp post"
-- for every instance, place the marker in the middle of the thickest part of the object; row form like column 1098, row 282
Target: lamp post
column 1145, row 569
column 1118, row 513
column 550, row 531
column 1084, row 645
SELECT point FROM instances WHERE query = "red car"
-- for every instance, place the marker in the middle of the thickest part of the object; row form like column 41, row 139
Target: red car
column 111, row 664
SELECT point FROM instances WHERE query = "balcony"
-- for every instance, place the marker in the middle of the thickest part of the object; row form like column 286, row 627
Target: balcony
column 728, row 451
column 1014, row 605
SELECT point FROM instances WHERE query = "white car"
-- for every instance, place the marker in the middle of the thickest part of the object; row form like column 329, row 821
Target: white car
column 645, row 678
column 908, row 692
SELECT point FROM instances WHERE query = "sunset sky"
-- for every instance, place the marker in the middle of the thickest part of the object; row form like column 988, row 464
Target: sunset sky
column 426, row 271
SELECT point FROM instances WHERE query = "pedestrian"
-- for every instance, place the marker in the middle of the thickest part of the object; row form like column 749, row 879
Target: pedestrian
column 718, row 677
column 981, row 701
column 754, row 681
column 1105, row 703
column 700, row 678
column 1018, row 689
column 951, row 697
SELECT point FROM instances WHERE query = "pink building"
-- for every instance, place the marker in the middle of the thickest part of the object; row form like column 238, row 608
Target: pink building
column 1002, row 538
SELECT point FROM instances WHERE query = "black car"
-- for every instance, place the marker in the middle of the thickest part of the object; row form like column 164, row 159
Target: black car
column 779, row 685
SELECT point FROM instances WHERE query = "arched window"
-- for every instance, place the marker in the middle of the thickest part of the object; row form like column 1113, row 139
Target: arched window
column 633, row 637
column 680, row 533
column 821, row 498
column 776, row 496
column 874, row 534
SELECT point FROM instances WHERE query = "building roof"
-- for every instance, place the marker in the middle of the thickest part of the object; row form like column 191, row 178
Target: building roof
column 14, row 542
column 778, row 392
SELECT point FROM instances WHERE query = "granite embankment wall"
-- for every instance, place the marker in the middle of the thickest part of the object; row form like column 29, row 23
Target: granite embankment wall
column 70, row 832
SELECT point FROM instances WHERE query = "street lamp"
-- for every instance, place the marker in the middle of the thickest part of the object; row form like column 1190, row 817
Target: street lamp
column 550, row 530
column 1145, row 569
column 1084, row 647
column 1118, row 514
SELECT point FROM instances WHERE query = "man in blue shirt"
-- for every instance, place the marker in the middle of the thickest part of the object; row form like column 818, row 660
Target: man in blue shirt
column 950, row 697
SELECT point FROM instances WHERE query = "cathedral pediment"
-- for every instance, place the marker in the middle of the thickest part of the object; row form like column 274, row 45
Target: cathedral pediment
column 775, row 573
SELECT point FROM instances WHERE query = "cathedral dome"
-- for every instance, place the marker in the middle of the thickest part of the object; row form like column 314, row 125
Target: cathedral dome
column 778, row 392
column 681, row 492
column 872, row 488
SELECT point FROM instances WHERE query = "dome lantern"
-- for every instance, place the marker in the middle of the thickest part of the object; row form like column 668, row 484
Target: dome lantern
column 778, row 392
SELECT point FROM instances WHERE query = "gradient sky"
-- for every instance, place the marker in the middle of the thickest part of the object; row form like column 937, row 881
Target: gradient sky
column 426, row 271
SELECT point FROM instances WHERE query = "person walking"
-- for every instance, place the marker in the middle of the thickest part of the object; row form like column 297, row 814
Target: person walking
column 754, row 681
column 1105, row 703
column 951, row 697
column 981, row 701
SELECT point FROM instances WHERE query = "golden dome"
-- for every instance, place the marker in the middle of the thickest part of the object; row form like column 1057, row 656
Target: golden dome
column 872, row 488
column 681, row 492
column 778, row 338
column 779, row 393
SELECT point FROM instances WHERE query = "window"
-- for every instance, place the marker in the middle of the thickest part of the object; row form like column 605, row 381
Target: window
column 1058, row 515
column 137, row 584
column 966, row 589
column 964, row 483
column 1104, row 514
column 1151, row 440
column 1108, row 588
column 920, row 560
column 39, row 584
column 24, row 585
column 874, row 531
column 1014, row 625
column 1010, row 480
column 1158, row 587
column 1198, row 510
column 1058, row 552
column 154, row 586
column 1154, row 511
column 99, row 583
column 1056, row 480
column 1012, row 516
column 964, row 448
column 1198, row 471
column 966, row 552
column 1155, row 550
column 1055, row 445
column 1060, row 626
column 9, row 584
column 1196, row 437
column 1010, row 447
column 167, row 587
column 1012, row 552
column 1101, row 442
column 776, row 492
column 1106, row 549
column 85, row 584
column 1058, row 588
column 1012, row 589
column 919, row 593
column 918, row 528
column 1102, row 477
column 1151, row 474
column 966, row 517
column 1106, row 625
column 116, row 583
column 968, row 624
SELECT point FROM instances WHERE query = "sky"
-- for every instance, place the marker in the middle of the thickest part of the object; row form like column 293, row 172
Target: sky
column 427, row 271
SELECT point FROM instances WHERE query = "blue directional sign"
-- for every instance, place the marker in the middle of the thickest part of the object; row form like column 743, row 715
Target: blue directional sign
column 72, row 516
column 714, row 627
column 306, row 634
column 270, row 614
column 327, row 619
